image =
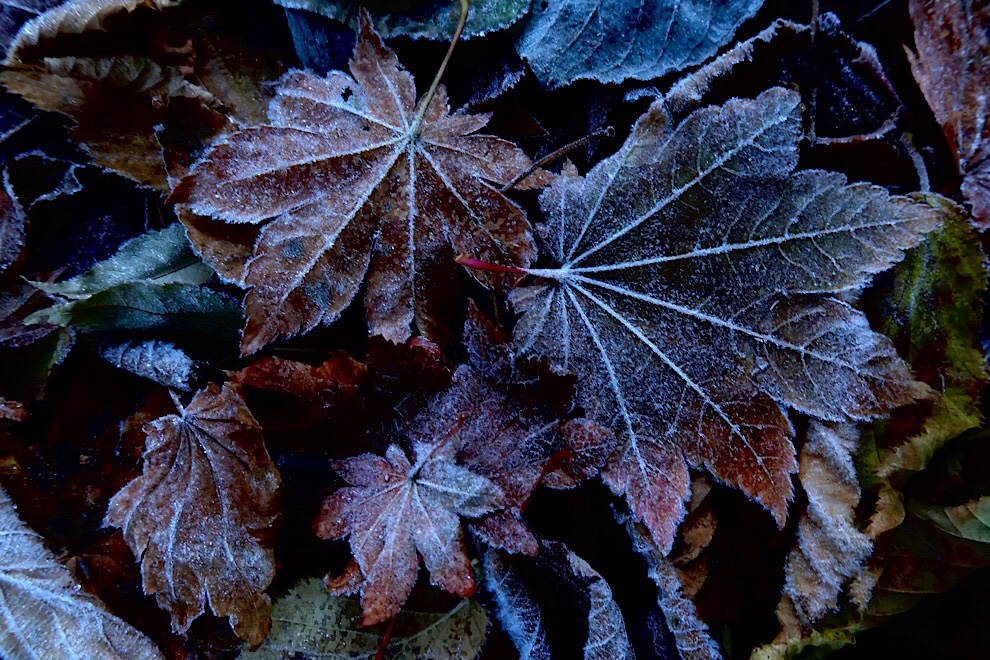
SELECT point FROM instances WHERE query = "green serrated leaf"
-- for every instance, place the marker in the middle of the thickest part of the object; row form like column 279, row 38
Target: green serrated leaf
column 426, row 19
column 159, row 256
column 178, row 307
column 310, row 622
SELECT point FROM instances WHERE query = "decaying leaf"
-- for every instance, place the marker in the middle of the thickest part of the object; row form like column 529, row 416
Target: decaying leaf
column 197, row 516
column 830, row 549
column 952, row 68
column 615, row 41
column 431, row 19
column 132, row 74
column 393, row 510
column 13, row 410
column 941, row 341
column 684, row 298
column 43, row 611
column 310, row 622
column 361, row 184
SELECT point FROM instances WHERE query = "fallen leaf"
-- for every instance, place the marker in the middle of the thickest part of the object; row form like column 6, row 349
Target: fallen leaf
column 432, row 19
column 159, row 361
column 952, row 67
column 516, row 608
column 829, row 549
column 310, row 622
column 684, row 300
column 197, row 516
column 394, row 509
column 14, row 13
column 689, row 631
column 639, row 39
column 44, row 611
column 360, row 186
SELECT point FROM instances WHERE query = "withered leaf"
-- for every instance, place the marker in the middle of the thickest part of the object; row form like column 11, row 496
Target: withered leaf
column 952, row 68
column 197, row 515
column 684, row 297
column 360, row 184
column 829, row 549
column 43, row 611
column 394, row 509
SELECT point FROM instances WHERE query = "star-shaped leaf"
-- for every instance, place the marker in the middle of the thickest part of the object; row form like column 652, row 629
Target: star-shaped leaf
column 394, row 509
column 361, row 184
column 686, row 297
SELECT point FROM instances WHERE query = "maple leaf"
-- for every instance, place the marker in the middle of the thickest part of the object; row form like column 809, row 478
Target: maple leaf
column 952, row 68
column 684, row 299
column 360, row 184
column 394, row 508
column 43, row 611
column 195, row 515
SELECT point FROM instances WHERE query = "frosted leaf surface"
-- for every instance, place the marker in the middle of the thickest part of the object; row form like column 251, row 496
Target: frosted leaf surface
column 195, row 515
column 357, row 190
column 517, row 610
column 310, row 622
column 394, row 509
column 432, row 19
column 615, row 41
column 44, row 613
column 830, row 549
column 684, row 298
column 160, row 361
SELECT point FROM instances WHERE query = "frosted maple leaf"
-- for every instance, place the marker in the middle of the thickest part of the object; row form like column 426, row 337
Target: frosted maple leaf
column 360, row 183
column 688, row 297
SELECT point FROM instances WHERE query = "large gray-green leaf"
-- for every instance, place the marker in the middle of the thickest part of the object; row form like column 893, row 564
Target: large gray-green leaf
column 179, row 307
column 614, row 41
column 310, row 622
column 158, row 256
column 428, row 19
column 684, row 296
column 44, row 613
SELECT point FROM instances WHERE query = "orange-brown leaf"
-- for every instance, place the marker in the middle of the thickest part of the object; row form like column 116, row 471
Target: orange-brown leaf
column 356, row 190
column 197, row 514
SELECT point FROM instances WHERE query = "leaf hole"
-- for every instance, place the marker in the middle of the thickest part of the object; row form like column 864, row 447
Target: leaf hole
column 346, row 94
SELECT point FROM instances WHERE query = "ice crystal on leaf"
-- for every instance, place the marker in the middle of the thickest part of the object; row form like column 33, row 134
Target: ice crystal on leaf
column 359, row 184
column 687, row 298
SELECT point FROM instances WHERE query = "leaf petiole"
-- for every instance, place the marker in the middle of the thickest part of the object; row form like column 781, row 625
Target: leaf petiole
column 417, row 122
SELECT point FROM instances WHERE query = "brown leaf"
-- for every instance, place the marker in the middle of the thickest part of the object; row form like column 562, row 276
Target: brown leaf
column 830, row 549
column 197, row 514
column 952, row 68
column 394, row 509
column 587, row 447
column 357, row 189
column 147, row 86
column 690, row 293
column 43, row 611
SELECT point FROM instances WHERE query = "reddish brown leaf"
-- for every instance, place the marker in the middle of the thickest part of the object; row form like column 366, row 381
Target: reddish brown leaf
column 587, row 447
column 13, row 410
column 360, row 187
column 952, row 68
column 394, row 509
column 196, row 515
